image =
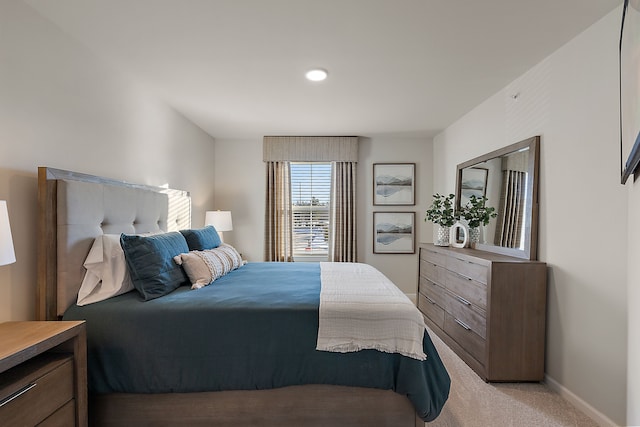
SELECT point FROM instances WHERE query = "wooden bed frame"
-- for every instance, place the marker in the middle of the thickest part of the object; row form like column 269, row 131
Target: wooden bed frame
column 307, row 405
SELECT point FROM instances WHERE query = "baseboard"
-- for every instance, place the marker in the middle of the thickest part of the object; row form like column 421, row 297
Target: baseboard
column 412, row 297
column 580, row 404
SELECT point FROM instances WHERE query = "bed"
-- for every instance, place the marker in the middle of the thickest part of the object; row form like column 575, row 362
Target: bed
column 291, row 384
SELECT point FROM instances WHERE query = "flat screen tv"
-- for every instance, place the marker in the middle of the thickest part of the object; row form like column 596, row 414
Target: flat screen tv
column 630, row 90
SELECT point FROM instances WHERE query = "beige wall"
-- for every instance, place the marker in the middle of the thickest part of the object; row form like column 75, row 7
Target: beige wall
column 401, row 269
column 240, row 187
column 571, row 100
column 62, row 107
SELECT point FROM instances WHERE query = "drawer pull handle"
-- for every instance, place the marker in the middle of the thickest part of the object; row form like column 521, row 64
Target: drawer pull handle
column 461, row 323
column 17, row 394
column 430, row 300
column 462, row 300
column 462, row 275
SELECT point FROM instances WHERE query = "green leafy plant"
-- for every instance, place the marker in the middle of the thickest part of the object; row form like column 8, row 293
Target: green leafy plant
column 441, row 211
column 476, row 212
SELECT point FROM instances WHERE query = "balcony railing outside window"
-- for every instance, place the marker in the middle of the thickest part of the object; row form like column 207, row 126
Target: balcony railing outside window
column 311, row 196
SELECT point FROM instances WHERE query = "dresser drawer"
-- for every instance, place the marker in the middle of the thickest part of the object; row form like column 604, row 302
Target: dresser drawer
column 433, row 291
column 469, row 340
column 471, row 316
column 430, row 309
column 32, row 391
column 465, row 268
column 472, row 291
column 431, row 271
column 433, row 257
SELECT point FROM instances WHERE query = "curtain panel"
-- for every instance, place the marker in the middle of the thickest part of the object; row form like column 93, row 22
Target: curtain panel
column 343, row 246
column 278, row 242
column 511, row 209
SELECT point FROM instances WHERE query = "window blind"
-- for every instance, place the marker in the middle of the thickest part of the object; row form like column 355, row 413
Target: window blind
column 310, row 200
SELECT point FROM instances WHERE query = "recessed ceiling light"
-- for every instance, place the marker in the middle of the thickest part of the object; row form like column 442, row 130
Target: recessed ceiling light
column 316, row 75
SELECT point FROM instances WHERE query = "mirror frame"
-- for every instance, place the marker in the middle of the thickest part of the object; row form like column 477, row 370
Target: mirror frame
column 530, row 251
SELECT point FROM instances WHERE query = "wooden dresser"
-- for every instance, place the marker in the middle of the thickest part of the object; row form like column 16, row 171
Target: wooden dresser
column 43, row 374
column 489, row 308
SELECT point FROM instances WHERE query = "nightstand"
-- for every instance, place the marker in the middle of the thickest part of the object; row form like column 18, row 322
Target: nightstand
column 43, row 374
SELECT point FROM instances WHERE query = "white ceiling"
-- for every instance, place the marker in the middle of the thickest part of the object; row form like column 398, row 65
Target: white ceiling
column 396, row 67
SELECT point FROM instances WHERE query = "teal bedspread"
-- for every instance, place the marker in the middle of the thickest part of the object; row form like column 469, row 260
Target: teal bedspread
column 255, row 328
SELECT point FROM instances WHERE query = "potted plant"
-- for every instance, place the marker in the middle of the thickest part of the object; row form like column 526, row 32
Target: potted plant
column 442, row 213
column 477, row 213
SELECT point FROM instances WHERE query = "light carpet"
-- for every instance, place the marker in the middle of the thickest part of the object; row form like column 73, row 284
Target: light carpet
column 474, row 403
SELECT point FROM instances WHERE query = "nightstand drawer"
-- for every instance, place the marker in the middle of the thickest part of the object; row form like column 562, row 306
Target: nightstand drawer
column 63, row 417
column 34, row 390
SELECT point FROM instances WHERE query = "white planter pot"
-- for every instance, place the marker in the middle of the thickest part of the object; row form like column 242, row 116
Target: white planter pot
column 442, row 235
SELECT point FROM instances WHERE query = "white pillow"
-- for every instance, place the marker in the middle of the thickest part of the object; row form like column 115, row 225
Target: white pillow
column 107, row 274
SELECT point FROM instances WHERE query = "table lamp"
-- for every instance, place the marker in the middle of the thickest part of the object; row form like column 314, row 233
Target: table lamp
column 221, row 220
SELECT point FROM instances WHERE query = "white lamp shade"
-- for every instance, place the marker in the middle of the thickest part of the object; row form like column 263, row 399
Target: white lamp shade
column 221, row 220
column 7, row 255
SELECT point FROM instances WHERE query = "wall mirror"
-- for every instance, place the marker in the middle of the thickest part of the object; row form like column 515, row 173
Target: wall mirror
column 508, row 178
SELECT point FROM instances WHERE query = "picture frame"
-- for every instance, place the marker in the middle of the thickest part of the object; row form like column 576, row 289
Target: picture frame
column 629, row 67
column 473, row 182
column 394, row 184
column 394, row 233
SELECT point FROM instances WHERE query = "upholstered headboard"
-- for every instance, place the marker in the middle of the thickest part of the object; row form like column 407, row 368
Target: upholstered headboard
column 75, row 208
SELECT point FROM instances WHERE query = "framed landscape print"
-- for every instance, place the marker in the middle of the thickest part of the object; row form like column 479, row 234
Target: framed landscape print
column 394, row 232
column 473, row 183
column 394, row 184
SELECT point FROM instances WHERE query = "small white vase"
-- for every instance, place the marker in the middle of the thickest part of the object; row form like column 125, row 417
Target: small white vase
column 459, row 235
column 442, row 235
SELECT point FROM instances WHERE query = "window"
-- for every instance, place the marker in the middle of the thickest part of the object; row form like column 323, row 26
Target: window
column 310, row 202
column 320, row 189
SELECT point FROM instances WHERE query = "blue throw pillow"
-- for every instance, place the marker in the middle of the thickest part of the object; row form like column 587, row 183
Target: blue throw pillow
column 202, row 239
column 150, row 261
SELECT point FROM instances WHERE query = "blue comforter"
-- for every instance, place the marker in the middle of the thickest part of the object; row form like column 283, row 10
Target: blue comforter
column 255, row 328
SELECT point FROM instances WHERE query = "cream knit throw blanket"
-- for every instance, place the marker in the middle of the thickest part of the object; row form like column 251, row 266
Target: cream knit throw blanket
column 361, row 309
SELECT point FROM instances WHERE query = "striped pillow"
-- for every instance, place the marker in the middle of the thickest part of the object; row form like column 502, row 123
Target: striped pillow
column 204, row 267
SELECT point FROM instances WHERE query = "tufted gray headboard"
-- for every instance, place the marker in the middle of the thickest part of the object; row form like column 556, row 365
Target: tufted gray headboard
column 75, row 208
